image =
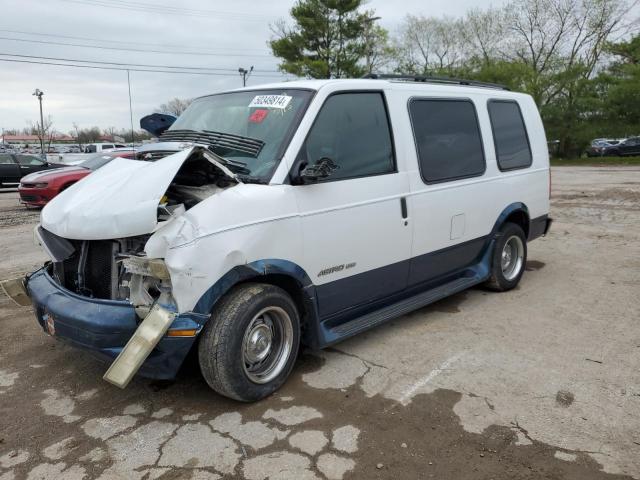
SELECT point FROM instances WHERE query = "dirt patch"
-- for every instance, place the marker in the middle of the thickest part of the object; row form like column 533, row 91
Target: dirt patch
column 11, row 216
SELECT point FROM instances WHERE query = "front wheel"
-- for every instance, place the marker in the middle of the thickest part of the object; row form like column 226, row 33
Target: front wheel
column 250, row 344
column 509, row 258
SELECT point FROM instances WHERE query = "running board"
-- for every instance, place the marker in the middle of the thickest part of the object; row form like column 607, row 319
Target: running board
column 402, row 307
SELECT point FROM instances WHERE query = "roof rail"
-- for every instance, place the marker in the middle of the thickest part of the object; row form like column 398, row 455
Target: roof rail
column 432, row 79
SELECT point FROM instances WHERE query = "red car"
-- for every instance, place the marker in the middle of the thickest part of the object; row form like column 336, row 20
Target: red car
column 36, row 189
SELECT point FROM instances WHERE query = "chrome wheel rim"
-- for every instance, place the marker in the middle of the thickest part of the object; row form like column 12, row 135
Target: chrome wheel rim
column 512, row 257
column 267, row 344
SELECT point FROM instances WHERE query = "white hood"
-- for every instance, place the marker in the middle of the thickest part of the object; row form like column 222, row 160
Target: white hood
column 118, row 200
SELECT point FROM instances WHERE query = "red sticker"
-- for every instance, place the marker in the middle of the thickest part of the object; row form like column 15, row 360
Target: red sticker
column 259, row 115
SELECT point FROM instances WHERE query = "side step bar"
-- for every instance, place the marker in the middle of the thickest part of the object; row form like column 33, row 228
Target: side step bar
column 402, row 307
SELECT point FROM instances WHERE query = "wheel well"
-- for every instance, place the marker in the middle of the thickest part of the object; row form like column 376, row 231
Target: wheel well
column 520, row 217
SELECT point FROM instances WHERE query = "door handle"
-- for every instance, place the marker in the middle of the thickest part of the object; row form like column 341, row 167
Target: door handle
column 403, row 207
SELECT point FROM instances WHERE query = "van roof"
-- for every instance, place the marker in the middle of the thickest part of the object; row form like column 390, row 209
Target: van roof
column 394, row 83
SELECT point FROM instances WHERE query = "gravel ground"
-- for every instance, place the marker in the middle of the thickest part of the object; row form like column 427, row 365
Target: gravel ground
column 539, row 382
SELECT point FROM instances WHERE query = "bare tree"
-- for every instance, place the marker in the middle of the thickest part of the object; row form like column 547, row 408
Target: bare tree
column 555, row 36
column 175, row 106
column 483, row 33
column 427, row 44
column 45, row 132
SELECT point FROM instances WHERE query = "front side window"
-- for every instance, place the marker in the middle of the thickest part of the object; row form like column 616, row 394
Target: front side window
column 249, row 128
column 29, row 160
column 5, row 158
column 352, row 129
column 447, row 139
column 509, row 135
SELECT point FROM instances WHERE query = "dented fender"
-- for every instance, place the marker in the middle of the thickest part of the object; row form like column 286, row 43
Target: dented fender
column 235, row 227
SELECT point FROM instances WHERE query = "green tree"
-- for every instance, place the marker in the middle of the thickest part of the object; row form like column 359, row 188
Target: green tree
column 621, row 99
column 327, row 39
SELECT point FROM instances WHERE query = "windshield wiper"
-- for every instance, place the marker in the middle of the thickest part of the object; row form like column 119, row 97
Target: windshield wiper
column 229, row 141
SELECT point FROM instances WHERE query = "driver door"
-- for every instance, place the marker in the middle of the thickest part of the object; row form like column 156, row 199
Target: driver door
column 356, row 238
column 29, row 164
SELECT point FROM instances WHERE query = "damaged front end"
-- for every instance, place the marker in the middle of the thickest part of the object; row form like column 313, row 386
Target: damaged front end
column 101, row 291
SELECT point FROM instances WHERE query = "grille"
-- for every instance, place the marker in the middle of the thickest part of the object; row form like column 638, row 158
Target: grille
column 91, row 270
column 29, row 198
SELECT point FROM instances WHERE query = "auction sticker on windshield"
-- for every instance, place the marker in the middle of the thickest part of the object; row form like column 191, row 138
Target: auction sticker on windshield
column 271, row 101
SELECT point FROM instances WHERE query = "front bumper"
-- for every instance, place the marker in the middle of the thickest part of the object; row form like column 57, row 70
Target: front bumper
column 103, row 327
column 37, row 197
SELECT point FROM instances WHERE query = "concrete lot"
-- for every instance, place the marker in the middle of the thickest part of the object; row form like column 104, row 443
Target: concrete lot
column 539, row 382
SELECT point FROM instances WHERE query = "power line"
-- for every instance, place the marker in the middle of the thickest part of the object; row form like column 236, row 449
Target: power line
column 103, row 40
column 130, row 64
column 135, row 49
column 132, row 69
column 167, row 9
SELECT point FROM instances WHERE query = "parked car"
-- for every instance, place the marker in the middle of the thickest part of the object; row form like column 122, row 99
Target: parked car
column 101, row 147
column 14, row 166
column 598, row 146
column 37, row 189
column 298, row 213
column 628, row 147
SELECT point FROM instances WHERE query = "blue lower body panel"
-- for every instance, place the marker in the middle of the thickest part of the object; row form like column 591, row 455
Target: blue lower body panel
column 103, row 327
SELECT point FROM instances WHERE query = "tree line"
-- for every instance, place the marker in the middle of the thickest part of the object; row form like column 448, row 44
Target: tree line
column 578, row 59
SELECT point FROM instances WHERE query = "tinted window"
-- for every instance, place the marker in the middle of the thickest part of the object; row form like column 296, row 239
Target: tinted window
column 352, row 129
column 97, row 161
column 90, row 149
column 6, row 158
column 29, row 160
column 447, row 138
column 509, row 135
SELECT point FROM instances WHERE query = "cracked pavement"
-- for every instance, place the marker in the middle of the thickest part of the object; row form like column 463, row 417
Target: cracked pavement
column 539, row 382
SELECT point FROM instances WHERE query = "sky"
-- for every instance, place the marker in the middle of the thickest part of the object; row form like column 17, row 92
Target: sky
column 211, row 34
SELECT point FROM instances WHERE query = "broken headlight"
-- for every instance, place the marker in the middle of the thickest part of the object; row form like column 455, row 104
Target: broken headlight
column 147, row 267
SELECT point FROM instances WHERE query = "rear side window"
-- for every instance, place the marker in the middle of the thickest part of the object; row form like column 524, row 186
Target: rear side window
column 352, row 129
column 509, row 135
column 447, row 139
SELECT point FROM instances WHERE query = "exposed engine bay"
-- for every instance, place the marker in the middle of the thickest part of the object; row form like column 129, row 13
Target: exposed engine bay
column 201, row 176
column 118, row 269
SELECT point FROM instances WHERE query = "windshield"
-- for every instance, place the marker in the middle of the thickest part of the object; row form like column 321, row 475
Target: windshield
column 97, row 161
column 250, row 127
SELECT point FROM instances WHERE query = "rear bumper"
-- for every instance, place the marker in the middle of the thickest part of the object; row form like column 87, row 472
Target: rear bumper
column 103, row 327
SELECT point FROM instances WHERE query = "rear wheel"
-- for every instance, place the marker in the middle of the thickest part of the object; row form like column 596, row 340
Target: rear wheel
column 509, row 258
column 249, row 346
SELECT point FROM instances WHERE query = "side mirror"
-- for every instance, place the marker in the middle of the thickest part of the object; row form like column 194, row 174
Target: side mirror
column 320, row 170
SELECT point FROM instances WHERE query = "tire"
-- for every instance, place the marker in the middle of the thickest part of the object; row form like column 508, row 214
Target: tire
column 505, row 276
column 250, row 344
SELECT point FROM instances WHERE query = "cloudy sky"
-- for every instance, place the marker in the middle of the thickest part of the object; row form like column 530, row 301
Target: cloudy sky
column 212, row 34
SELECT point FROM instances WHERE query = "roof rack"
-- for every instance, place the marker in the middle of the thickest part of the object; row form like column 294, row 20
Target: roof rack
column 432, row 79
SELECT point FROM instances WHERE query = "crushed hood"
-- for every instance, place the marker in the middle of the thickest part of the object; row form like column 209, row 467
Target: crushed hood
column 118, row 200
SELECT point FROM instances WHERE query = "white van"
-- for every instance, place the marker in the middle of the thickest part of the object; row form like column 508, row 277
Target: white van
column 101, row 147
column 294, row 213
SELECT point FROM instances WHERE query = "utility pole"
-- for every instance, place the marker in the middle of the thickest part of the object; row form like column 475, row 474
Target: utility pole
column 39, row 93
column 244, row 73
